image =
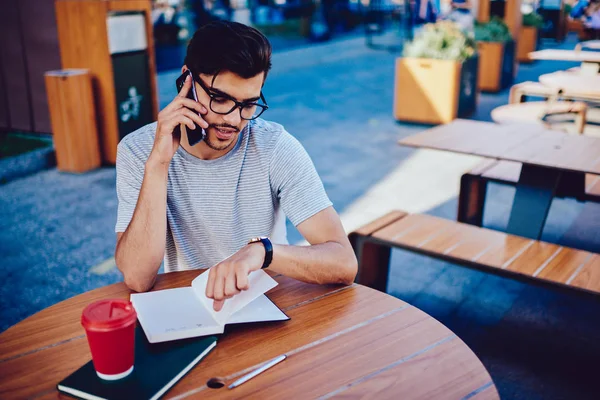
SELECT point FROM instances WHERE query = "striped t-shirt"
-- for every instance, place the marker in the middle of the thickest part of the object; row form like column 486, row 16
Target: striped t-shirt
column 215, row 206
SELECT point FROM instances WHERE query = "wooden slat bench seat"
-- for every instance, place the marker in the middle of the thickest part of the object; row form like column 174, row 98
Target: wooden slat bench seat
column 472, row 246
column 473, row 186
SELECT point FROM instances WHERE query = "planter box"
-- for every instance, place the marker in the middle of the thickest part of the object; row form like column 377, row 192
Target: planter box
column 527, row 43
column 496, row 65
column 434, row 91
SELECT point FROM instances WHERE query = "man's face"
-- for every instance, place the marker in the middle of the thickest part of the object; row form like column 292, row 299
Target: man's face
column 223, row 130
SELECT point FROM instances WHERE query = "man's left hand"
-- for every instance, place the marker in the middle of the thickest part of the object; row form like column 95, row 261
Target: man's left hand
column 230, row 276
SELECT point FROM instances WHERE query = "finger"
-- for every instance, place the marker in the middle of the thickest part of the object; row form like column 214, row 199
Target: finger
column 241, row 279
column 218, row 305
column 210, row 283
column 186, row 87
column 182, row 119
column 194, row 117
column 219, row 287
column 230, row 285
column 192, row 105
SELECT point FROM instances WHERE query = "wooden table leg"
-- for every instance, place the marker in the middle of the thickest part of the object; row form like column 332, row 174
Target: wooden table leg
column 471, row 199
column 373, row 263
column 535, row 190
column 572, row 184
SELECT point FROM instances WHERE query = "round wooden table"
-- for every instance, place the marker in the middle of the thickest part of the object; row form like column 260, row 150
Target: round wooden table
column 341, row 342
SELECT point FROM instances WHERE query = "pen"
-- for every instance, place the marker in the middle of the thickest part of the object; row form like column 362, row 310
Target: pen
column 257, row 371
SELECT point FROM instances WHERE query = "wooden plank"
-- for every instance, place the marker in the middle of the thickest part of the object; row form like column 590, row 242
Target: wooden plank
column 488, row 393
column 588, row 277
column 508, row 171
column 533, row 150
column 472, row 248
column 474, row 137
column 535, row 257
column 414, row 229
column 26, row 337
column 457, row 375
column 530, row 144
column 502, row 254
column 457, row 234
column 374, row 346
column 313, row 323
column 564, row 265
column 483, row 167
column 380, row 223
column 54, row 363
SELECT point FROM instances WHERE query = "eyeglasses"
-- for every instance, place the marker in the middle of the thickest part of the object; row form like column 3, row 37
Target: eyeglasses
column 223, row 104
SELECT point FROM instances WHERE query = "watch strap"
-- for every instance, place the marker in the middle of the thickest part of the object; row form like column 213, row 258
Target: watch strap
column 268, row 252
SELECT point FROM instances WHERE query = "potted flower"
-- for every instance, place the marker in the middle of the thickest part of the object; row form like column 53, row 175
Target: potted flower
column 528, row 37
column 496, row 55
column 436, row 79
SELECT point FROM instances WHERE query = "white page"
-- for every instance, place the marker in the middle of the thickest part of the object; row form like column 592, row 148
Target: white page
column 173, row 314
column 259, row 282
column 259, row 310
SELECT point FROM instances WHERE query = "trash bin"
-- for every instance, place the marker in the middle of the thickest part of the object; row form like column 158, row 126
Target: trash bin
column 73, row 119
column 128, row 50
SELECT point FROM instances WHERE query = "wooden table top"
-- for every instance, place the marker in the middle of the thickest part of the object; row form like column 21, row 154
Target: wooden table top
column 527, row 143
column 341, row 341
column 588, row 85
column 566, row 55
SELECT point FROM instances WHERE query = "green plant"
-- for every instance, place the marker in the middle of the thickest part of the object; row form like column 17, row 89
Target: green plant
column 443, row 40
column 567, row 7
column 495, row 30
column 533, row 19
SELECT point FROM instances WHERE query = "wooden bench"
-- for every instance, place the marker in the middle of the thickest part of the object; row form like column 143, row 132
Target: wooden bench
column 473, row 187
column 472, row 246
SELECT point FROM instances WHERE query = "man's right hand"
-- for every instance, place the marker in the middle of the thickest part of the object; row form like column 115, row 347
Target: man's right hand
column 181, row 111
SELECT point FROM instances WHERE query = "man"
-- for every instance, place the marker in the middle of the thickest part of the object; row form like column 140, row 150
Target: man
column 201, row 206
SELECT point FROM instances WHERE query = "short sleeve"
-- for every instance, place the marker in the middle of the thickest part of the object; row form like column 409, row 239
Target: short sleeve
column 130, row 174
column 295, row 182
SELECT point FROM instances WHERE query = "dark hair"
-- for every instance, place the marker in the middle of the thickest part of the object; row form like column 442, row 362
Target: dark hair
column 228, row 46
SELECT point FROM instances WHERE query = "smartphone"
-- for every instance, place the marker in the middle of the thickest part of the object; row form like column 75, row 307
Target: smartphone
column 194, row 136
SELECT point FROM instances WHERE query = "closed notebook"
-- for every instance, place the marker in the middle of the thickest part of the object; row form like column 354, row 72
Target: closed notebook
column 186, row 312
column 157, row 367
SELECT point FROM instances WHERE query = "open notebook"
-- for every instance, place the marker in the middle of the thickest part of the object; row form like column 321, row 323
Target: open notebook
column 186, row 312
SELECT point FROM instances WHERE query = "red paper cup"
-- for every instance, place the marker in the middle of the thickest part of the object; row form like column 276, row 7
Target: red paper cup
column 110, row 329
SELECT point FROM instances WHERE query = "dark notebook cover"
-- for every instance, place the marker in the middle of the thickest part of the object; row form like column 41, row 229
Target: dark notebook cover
column 156, row 369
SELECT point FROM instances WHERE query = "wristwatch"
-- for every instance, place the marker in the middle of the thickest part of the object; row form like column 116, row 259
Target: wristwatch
column 268, row 249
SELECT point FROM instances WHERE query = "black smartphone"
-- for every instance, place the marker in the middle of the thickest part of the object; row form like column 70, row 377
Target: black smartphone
column 194, row 136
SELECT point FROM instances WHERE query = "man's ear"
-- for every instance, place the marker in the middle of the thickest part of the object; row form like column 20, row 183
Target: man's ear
column 184, row 68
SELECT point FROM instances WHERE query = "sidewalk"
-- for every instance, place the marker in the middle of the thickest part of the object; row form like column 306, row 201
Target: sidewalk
column 57, row 229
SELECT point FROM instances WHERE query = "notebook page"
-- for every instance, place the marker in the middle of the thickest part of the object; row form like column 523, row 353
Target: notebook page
column 259, row 282
column 260, row 310
column 173, row 314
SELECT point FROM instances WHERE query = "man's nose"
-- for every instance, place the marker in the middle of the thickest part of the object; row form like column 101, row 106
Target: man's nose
column 233, row 118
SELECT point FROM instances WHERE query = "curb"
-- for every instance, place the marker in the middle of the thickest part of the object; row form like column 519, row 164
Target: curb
column 26, row 164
